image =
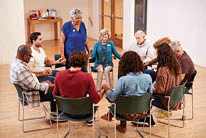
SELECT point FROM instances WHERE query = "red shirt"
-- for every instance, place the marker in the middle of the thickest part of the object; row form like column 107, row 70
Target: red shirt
column 75, row 84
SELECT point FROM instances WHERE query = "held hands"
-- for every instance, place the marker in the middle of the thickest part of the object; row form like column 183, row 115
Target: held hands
column 61, row 61
column 103, row 90
column 47, row 72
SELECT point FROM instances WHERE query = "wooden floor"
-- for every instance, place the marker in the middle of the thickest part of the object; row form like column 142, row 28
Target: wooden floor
column 10, row 127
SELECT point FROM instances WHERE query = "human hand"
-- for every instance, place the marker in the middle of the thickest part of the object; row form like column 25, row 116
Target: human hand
column 47, row 72
column 51, row 86
column 105, row 87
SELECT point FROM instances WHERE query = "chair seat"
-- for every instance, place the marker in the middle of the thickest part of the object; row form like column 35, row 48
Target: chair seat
column 93, row 69
column 87, row 117
column 118, row 117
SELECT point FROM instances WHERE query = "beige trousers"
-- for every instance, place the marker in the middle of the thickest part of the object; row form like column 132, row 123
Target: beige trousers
column 106, row 71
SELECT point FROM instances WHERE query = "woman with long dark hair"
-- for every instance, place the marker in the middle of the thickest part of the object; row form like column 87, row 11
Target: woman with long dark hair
column 133, row 83
column 168, row 75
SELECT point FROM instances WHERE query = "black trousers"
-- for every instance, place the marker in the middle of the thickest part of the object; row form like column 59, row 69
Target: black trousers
column 48, row 97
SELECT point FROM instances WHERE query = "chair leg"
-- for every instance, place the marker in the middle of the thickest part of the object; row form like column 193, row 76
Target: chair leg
column 57, row 120
column 68, row 131
column 192, row 102
column 23, row 118
column 93, row 121
column 183, row 118
column 168, row 123
column 115, row 133
column 19, row 111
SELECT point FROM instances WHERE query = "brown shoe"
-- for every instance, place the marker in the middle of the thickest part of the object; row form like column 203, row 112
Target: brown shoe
column 105, row 117
column 121, row 129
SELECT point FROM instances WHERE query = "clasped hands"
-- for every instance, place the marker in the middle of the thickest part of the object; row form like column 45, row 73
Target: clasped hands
column 103, row 90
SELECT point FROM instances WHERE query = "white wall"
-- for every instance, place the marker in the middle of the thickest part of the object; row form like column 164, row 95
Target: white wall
column 94, row 12
column 12, row 29
column 62, row 7
column 181, row 20
column 128, row 23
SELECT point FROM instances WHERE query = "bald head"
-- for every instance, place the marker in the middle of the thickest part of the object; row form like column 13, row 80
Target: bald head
column 22, row 51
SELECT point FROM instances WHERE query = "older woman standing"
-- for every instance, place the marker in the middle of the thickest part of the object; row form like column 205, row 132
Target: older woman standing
column 103, row 51
column 73, row 36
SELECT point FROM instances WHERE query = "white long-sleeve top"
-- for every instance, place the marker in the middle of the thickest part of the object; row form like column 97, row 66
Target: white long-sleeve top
column 145, row 51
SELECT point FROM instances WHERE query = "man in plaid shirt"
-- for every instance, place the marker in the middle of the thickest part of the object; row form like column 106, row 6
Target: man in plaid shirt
column 21, row 75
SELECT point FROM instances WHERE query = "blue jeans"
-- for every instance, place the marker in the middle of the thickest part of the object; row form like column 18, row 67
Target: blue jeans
column 50, row 78
column 156, row 102
column 152, row 73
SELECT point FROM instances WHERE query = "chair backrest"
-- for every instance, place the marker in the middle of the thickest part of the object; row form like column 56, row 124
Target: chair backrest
column 19, row 91
column 177, row 94
column 132, row 104
column 56, row 57
column 75, row 106
column 190, row 82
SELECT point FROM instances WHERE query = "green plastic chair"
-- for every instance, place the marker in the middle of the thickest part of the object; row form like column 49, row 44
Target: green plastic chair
column 75, row 106
column 23, row 101
column 189, row 86
column 132, row 105
column 176, row 96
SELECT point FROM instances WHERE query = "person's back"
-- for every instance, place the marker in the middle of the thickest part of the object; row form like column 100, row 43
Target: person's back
column 187, row 66
column 185, row 61
column 135, row 84
column 74, row 84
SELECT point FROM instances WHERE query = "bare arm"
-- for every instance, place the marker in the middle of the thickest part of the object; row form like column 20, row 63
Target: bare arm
column 39, row 73
column 49, row 62
column 62, row 40
column 33, row 69
column 182, row 76
column 87, row 48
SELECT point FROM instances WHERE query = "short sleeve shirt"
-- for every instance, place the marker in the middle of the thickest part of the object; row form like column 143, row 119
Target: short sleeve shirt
column 75, row 40
column 38, row 58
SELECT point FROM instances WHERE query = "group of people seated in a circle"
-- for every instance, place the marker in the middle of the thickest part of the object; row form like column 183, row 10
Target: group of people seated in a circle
column 173, row 66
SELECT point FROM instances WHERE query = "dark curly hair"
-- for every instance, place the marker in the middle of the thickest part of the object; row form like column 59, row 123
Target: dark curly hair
column 130, row 62
column 166, row 57
column 78, row 59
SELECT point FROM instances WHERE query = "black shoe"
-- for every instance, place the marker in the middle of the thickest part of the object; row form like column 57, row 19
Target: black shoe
column 152, row 121
column 89, row 123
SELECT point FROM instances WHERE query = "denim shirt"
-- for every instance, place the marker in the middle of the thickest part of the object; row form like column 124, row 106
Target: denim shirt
column 131, row 85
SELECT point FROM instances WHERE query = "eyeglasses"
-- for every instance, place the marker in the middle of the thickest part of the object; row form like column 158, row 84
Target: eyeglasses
column 29, row 55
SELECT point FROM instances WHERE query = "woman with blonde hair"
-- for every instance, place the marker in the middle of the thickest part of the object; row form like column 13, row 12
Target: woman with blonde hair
column 103, row 51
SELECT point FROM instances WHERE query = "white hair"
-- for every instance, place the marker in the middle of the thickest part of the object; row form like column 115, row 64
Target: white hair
column 176, row 46
column 104, row 32
column 75, row 12
column 141, row 33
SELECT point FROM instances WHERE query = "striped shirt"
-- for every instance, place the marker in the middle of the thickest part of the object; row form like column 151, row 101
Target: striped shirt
column 20, row 74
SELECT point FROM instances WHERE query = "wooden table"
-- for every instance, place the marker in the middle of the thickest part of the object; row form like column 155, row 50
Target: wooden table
column 31, row 26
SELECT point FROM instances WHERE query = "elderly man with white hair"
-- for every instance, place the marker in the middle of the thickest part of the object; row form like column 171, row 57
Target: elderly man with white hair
column 185, row 61
column 73, row 36
column 142, row 47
